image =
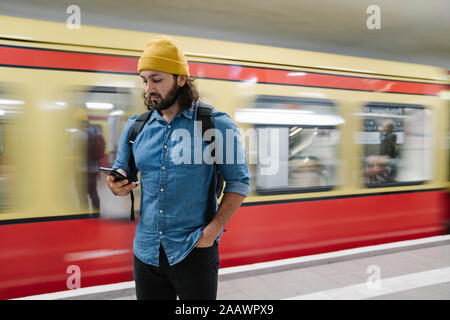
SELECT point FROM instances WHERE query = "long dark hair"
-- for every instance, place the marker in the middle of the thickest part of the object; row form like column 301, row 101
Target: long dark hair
column 188, row 93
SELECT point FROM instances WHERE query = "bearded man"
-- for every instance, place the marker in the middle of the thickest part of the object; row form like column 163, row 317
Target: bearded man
column 175, row 246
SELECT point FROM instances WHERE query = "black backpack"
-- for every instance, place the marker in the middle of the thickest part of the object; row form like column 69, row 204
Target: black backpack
column 204, row 114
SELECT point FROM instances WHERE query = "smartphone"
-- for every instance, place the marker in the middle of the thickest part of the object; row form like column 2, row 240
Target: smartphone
column 116, row 174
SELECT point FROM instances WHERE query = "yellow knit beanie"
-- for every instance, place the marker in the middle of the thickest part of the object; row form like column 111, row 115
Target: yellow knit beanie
column 163, row 54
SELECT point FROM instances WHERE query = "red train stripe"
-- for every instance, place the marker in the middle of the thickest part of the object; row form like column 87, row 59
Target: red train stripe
column 28, row 57
column 67, row 60
column 34, row 257
column 289, row 77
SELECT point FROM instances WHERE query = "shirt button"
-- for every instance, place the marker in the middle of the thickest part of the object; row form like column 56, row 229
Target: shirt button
column 160, row 232
column 162, row 190
column 160, row 211
column 169, row 126
column 165, row 147
column 163, row 168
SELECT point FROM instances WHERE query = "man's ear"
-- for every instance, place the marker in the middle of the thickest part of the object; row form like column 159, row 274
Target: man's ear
column 181, row 81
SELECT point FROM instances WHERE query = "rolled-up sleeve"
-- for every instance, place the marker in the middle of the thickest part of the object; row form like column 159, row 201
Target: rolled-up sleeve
column 123, row 152
column 231, row 155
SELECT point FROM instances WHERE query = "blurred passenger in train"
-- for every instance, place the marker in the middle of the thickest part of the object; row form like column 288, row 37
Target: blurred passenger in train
column 307, row 172
column 176, row 242
column 383, row 167
column 90, row 140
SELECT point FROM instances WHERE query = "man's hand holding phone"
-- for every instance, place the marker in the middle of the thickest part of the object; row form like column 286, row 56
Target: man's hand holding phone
column 118, row 185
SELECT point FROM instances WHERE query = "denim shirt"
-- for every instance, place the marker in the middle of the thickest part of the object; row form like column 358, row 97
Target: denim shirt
column 175, row 193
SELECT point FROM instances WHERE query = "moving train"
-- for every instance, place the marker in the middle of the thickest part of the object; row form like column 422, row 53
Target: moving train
column 332, row 189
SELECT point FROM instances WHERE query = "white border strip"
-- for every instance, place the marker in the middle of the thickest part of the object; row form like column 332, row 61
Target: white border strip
column 244, row 268
column 387, row 286
column 81, row 291
column 329, row 255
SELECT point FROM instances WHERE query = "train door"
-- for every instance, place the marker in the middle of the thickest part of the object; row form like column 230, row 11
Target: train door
column 12, row 108
column 98, row 115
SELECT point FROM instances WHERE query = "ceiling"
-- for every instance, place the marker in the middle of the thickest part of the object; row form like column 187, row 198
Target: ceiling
column 411, row 31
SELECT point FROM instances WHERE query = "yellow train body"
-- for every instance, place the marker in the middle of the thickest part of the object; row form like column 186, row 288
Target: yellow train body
column 38, row 167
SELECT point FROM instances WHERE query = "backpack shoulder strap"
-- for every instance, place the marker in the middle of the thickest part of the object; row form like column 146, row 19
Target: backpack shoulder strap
column 134, row 132
column 132, row 169
column 138, row 126
column 204, row 114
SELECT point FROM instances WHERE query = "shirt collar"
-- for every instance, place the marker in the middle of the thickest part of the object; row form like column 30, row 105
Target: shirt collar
column 154, row 115
column 188, row 113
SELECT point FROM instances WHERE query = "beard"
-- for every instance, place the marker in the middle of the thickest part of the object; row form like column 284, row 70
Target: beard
column 162, row 104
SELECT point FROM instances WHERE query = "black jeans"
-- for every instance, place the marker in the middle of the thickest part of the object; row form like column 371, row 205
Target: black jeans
column 194, row 278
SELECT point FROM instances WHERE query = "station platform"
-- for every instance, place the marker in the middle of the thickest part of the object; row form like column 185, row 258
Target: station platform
column 406, row 270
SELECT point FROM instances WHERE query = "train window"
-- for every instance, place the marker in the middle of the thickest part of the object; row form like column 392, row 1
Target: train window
column 296, row 144
column 98, row 115
column 397, row 144
column 11, row 157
